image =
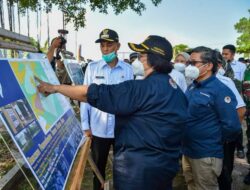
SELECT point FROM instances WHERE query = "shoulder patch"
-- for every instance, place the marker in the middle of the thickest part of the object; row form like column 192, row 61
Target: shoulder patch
column 172, row 83
column 227, row 99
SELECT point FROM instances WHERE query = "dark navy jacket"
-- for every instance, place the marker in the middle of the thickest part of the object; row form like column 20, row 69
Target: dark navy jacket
column 212, row 119
column 150, row 114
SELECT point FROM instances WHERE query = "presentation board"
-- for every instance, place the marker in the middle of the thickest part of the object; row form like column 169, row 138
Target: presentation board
column 74, row 71
column 45, row 129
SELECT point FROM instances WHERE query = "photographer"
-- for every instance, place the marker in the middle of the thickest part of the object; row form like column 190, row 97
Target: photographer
column 55, row 46
column 58, row 44
column 55, row 59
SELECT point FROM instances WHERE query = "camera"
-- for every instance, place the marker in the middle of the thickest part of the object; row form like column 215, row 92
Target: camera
column 63, row 36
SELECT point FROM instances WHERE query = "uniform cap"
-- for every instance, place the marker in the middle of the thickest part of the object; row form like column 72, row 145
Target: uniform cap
column 156, row 45
column 108, row 35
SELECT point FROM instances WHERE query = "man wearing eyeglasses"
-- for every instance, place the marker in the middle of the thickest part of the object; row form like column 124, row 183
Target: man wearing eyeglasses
column 212, row 120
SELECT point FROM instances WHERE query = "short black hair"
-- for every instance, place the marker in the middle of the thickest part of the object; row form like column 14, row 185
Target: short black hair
column 208, row 56
column 231, row 47
column 218, row 56
column 159, row 63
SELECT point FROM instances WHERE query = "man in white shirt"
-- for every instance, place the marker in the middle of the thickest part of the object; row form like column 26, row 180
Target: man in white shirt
column 95, row 123
column 225, row 179
column 228, row 53
column 238, row 67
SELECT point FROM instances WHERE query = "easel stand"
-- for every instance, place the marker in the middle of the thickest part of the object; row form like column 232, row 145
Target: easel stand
column 76, row 176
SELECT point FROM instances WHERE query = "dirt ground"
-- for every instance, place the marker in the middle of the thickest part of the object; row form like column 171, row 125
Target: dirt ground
column 240, row 170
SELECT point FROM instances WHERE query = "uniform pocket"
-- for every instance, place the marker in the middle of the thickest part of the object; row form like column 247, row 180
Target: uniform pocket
column 200, row 106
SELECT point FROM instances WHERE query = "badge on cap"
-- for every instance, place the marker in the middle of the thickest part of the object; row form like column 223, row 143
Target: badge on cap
column 227, row 99
column 173, row 83
column 105, row 33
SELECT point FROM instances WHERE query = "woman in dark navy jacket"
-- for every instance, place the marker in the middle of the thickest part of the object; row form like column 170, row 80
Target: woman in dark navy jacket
column 150, row 115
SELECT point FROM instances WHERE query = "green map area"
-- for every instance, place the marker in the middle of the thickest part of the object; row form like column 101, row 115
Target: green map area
column 47, row 109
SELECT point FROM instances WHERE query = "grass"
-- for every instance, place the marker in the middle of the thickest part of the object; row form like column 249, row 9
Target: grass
column 87, row 183
column 6, row 160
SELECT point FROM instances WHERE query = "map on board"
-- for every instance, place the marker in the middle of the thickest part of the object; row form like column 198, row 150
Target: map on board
column 47, row 109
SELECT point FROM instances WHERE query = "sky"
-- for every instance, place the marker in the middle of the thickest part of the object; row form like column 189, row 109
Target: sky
column 191, row 22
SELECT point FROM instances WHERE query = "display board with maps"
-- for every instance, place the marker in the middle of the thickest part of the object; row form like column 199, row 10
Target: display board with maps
column 74, row 71
column 45, row 129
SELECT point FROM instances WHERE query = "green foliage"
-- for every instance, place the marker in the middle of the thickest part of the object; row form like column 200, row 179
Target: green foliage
column 180, row 48
column 243, row 41
column 75, row 10
column 43, row 49
column 34, row 42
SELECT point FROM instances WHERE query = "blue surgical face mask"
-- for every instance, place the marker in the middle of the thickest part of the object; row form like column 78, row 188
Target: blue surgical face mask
column 109, row 57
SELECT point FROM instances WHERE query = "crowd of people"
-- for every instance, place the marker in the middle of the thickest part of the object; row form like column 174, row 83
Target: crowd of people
column 155, row 112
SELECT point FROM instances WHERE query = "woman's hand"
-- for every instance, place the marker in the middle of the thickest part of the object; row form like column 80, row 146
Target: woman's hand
column 74, row 92
column 45, row 88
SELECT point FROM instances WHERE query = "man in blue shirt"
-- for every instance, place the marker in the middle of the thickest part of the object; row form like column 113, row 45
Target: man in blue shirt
column 212, row 120
column 150, row 116
column 95, row 123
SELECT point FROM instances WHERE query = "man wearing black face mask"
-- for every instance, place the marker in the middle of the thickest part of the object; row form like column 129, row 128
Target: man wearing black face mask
column 98, row 124
column 212, row 119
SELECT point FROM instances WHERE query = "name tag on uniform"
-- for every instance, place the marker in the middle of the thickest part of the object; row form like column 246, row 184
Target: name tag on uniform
column 99, row 77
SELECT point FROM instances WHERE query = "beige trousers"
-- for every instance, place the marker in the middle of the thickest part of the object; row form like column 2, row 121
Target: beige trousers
column 201, row 174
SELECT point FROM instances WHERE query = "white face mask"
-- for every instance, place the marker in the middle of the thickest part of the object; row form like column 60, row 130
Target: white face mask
column 221, row 71
column 189, row 81
column 180, row 67
column 138, row 69
column 193, row 72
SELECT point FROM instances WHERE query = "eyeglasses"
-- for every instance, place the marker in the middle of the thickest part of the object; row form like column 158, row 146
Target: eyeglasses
column 193, row 63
